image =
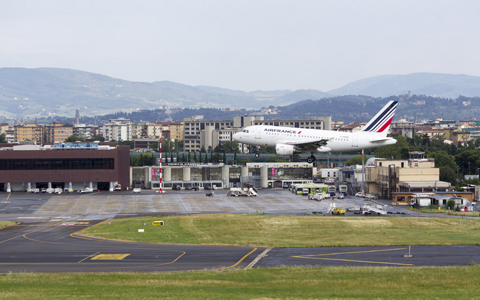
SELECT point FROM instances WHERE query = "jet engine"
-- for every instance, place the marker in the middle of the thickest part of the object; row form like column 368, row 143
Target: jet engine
column 284, row 149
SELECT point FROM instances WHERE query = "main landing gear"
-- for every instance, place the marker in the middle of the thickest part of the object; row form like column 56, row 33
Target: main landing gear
column 311, row 159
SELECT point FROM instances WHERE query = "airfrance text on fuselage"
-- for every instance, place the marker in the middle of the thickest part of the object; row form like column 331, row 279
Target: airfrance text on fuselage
column 281, row 130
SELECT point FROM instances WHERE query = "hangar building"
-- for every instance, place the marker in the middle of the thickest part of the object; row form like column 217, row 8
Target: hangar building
column 68, row 166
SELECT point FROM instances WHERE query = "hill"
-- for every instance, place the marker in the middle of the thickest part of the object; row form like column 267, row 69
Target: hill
column 47, row 92
column 429, row 84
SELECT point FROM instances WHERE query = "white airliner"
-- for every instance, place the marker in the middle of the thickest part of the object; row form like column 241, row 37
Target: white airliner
column 288, row 140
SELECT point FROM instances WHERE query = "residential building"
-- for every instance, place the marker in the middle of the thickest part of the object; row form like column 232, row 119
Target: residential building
column 118, row 130
column 148, row 130
column 29, row 132
column 172, row 130
column 57, row 132
column 85, row 131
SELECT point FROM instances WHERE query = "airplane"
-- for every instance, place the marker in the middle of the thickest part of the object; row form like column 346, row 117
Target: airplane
column 289, row 140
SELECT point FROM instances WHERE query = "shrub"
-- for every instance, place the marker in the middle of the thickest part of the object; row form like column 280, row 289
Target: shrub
column 451, row 204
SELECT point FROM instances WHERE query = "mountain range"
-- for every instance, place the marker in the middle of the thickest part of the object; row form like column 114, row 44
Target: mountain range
column 44, row 92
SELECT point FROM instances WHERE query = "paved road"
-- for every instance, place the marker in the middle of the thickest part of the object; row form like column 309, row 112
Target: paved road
column 372, row 256
column 43, row 240
column 39, row 247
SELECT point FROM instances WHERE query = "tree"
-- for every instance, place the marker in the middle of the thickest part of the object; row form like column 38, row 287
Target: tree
column 442, row 158
column 394, row 151
column 243, row 161
column 275, row 159
column 99, row 138
column 73, row 139
column 448, row 174
column 2, row 138
column 154, row 146
column 425, row 140
column 131, row 144
column 356, row 160
column 167, row 145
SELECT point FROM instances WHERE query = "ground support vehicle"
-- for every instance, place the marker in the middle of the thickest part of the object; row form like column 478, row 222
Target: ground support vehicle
column 210, row 194
column 177, row 187
column 338, row 211
column 118, row 187
column 85, row 190
column 319, row 196
column 374, row 210
column 360, row 194
column 54, row 191
column 245, row 192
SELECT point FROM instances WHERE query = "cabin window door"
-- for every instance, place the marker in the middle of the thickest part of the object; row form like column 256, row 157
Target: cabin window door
column 257, row 133
column 355, row 140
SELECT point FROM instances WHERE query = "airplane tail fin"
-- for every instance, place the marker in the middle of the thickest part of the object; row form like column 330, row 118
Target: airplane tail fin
column 382, row 120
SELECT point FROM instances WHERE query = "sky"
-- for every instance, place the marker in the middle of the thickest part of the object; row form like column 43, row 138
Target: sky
column 243, row 45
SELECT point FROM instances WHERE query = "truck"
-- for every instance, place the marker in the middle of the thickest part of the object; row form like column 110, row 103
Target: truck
column 421, row 201
column 343, row 189
column 331, row 190
column 118, row 187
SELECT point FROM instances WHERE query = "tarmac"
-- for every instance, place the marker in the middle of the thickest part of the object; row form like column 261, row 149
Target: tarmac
column 45, row 238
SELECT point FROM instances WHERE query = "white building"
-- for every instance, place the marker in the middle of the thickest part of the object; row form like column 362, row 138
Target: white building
column 118, row 130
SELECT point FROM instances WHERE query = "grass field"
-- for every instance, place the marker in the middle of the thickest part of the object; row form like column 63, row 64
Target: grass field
column 278, row 283
column 5, row 224
column 293, row 231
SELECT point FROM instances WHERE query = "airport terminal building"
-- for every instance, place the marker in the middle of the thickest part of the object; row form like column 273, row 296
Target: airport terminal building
column 98, row 166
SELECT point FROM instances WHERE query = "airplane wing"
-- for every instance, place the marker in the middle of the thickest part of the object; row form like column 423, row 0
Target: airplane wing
column 311, row 146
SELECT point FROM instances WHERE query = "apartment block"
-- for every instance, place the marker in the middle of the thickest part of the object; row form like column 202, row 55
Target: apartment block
column 118, row 130
column 29, row 132
column 57, row 132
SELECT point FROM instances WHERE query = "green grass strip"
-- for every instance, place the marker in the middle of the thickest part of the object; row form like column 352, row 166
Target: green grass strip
column 293, row 231
column 277, row 283
column 5, row 224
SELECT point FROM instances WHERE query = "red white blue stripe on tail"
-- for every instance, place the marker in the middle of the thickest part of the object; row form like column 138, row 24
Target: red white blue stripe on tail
column 383, row 119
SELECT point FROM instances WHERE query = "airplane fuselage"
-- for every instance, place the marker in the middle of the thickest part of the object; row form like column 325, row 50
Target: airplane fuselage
column 271, row 136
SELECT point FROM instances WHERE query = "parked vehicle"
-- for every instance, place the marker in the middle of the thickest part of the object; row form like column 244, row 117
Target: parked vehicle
column 244, row 192
column 118, row 187
column 210, row 194
column 319, row 196
column 137, row 190
column 343, row 189
column 177, row 187
column 35, row 191
column 340, row 196
column 338, row 211
column 85, row 190
column 360, row 194
column 54, row 191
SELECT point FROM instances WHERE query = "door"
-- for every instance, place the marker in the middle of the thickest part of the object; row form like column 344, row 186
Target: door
column 354, row 140
column 258, row 132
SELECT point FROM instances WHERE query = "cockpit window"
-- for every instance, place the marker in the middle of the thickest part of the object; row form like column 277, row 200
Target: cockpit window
column 245, row 131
